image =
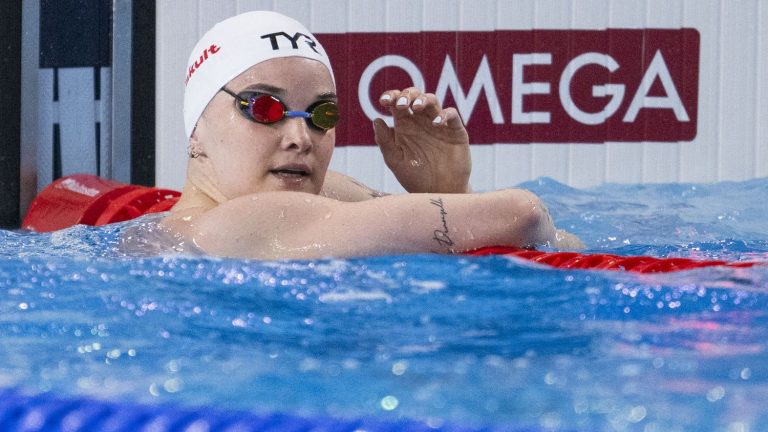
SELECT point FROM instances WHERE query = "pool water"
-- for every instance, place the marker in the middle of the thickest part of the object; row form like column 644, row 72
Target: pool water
column 472, row 341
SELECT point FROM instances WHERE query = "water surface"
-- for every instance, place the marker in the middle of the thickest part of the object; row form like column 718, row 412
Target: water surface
column 444, row 339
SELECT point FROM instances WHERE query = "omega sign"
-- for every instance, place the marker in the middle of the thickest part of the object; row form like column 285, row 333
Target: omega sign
column 528, row 86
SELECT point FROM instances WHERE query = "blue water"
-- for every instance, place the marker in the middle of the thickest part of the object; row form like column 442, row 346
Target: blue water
column 442, row 339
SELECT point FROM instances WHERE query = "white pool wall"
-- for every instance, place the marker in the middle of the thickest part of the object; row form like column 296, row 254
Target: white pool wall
column 731, row 142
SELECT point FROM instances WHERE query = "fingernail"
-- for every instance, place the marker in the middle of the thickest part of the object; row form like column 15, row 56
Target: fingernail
column 385, row 97
column 403, row 101
column 437, row 120
column 418, row 102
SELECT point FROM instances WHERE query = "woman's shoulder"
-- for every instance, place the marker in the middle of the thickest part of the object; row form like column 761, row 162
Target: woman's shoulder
column 249, row 225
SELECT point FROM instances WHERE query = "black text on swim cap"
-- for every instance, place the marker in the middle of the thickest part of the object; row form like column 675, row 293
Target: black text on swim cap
column 294, row 40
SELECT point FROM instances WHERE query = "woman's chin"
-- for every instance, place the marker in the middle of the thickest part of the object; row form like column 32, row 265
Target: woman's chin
column 294, row 183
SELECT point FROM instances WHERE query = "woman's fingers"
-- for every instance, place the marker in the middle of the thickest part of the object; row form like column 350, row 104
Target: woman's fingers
column 385, row 139
column 448, row 117
column 383, row 134
column 407, row 97
column 428, row 104
column 411, row 101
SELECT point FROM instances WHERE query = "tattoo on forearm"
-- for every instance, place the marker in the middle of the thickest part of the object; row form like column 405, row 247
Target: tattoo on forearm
column 441, row 235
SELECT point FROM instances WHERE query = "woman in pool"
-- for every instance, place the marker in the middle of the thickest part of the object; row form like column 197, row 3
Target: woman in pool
column 259, row 112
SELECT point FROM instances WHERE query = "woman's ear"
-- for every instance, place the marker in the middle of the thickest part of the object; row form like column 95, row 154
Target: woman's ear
column 195, row 148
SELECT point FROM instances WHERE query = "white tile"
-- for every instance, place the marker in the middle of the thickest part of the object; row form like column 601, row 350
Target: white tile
column 515, row 15
column 590, row 14
column 177, row 32
column 699, row 157
column 299, row 10
column 329, row 16
column 483, row 164
column 404, row 16
column 478, row 15
column 738, row 85
column 627, row 13
column 441, row 15
column 367, row 16
column 366, row 164
column 512, row 165
column 761, row 109
column 550, row 160
column 550, row 14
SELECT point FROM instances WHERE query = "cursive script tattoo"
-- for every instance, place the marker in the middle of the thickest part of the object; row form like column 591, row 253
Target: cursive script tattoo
column 441, row 235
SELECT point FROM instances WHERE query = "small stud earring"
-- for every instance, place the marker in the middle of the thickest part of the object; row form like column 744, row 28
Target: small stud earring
column 193, row 153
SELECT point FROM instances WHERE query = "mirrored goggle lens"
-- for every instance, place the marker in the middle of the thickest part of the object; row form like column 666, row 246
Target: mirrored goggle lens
column 325, row 115
column 269, row 109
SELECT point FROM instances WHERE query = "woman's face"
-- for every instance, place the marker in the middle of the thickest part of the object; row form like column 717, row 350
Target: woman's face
column 246, row 157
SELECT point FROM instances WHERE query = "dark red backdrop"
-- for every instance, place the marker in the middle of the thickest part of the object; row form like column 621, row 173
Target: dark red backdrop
column 632, row 49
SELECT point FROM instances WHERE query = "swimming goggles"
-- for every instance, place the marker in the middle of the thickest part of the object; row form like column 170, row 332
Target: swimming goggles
column 267, row 109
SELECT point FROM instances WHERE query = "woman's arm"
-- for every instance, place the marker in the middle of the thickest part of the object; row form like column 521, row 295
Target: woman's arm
column 279, row 225
column 345, row 188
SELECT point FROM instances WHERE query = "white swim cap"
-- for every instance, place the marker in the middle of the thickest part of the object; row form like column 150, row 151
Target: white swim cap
column 234, row 45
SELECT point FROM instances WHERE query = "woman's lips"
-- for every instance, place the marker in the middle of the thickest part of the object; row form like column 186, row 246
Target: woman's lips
column 291, row 171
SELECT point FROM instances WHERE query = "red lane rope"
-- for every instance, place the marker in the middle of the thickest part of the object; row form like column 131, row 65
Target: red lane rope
column 574, row 260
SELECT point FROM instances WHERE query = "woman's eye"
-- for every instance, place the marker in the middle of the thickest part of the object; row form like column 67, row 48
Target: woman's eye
column 249, row 96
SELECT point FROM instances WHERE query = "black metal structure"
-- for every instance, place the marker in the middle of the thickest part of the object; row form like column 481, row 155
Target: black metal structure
column 143, row 93
column 10, row 112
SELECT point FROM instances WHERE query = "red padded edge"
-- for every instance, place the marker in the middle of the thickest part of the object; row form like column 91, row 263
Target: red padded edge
column 574, row 260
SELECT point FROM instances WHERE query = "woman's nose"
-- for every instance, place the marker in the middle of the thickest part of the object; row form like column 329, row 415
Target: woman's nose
column 296, row 134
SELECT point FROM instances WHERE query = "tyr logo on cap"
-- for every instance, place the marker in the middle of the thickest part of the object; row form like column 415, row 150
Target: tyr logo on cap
column 294, row 40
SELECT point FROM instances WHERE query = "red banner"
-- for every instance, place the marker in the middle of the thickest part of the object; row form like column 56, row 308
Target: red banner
column 552, row 86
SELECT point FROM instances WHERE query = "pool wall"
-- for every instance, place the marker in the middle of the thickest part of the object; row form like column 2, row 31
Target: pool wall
column 713, row 54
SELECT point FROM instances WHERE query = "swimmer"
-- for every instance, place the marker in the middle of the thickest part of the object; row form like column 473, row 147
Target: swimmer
column 260, row 107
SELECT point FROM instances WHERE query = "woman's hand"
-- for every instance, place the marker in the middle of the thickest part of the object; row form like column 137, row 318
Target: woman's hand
column 428, row 147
